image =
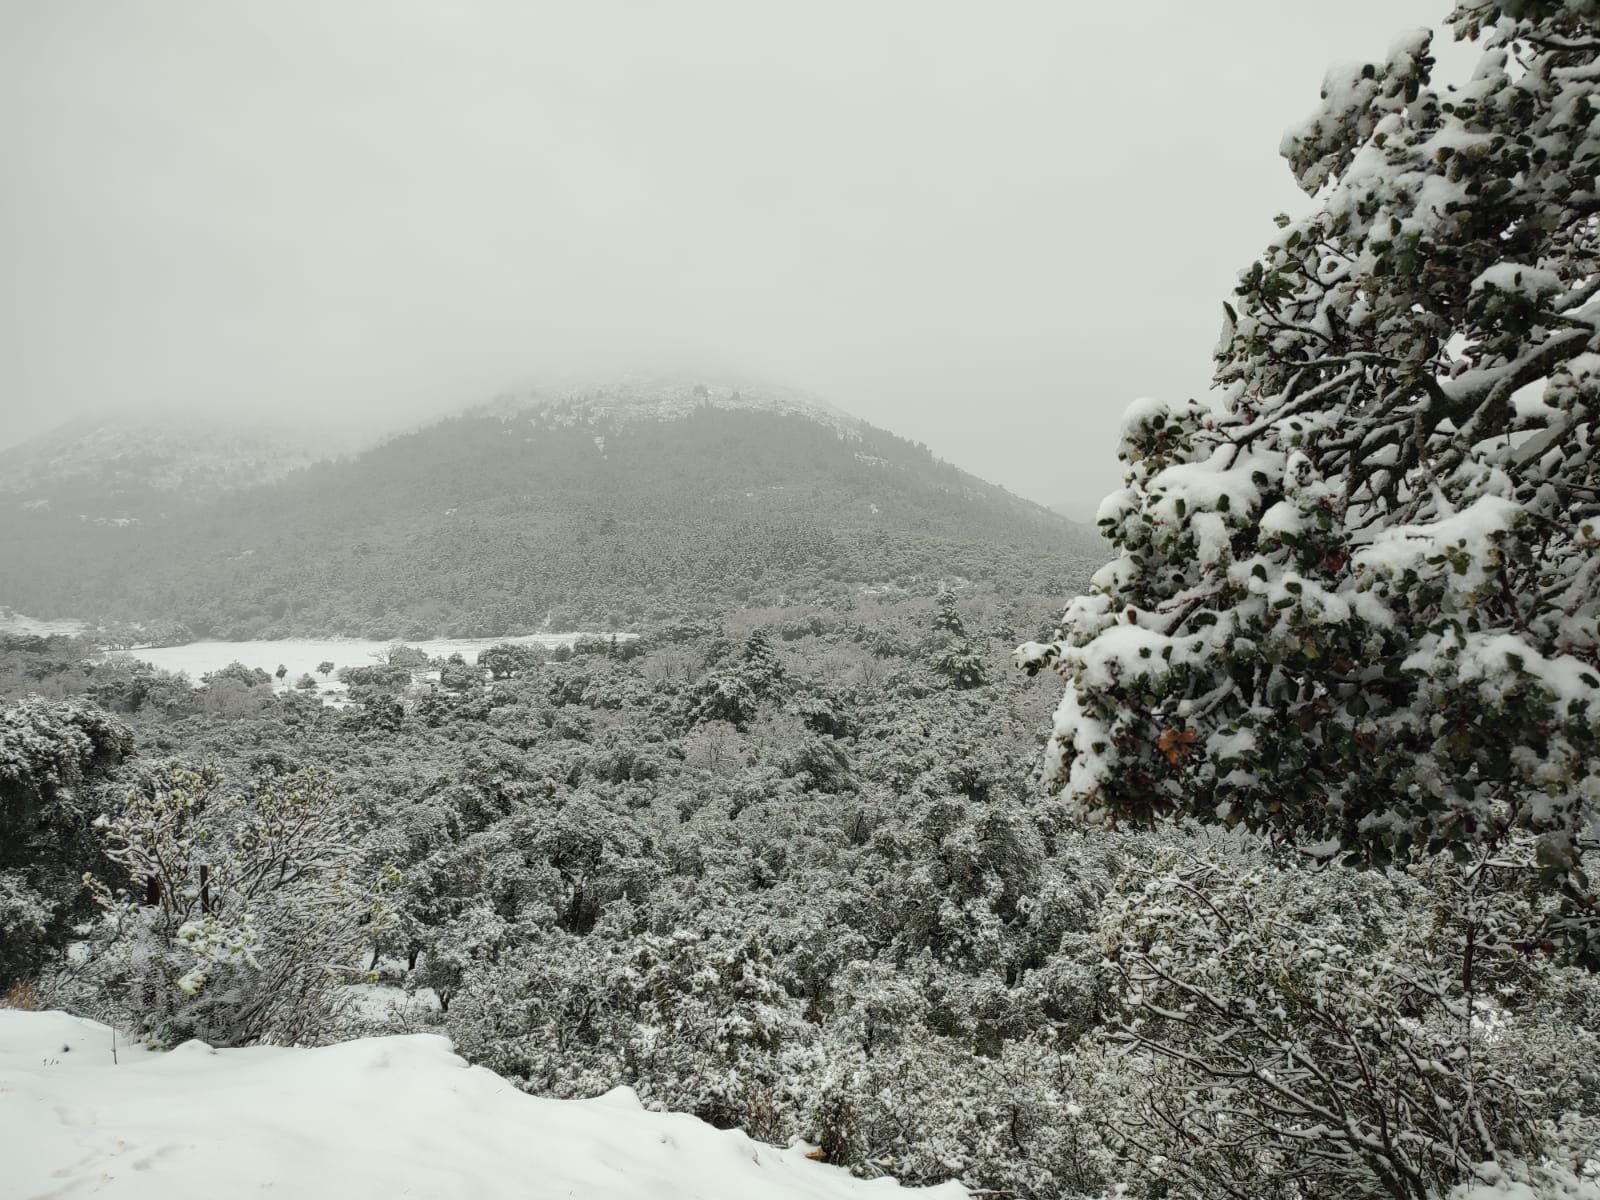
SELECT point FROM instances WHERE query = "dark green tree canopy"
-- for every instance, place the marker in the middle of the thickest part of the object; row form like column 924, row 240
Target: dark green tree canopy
column 1355, row 603
column 51, row 754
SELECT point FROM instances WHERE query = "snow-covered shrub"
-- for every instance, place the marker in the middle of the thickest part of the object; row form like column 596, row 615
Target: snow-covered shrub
column 914, row 1083
column 51, row 754
column 696, row 1022
column 1337, row 1034
column 241, row 915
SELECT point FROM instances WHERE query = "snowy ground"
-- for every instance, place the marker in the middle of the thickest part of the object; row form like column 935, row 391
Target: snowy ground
column 375, row 1008
column 379, row 1117
column 303, row 655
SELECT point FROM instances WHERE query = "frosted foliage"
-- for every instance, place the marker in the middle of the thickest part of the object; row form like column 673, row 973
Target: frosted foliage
column 1349, row 1034
column 52, row 756
column 243, row 913
column 1356, row 602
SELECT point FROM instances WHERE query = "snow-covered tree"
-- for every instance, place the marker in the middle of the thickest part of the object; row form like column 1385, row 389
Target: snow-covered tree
column 1355, row 604
column 509, row 659
column 962, row 665
column 947, row 616
column 955, row 656
column 236, row 672
column 455, row 675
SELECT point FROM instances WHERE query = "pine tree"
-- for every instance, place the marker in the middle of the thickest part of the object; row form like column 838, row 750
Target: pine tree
column 1355, row 605
column 956, row 657
column 947, row 616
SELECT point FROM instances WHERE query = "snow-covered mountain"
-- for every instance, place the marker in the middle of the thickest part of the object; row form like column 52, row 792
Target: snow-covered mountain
column 591, row 506
column 125, row 468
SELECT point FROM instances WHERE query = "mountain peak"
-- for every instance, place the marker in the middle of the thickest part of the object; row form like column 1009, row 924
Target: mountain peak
column 630, row 399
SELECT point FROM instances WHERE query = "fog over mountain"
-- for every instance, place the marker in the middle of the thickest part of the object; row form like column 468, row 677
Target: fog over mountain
column 960, row 225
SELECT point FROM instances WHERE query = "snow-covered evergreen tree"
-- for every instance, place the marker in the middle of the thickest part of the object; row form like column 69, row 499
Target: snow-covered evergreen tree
column 1355, row 604
column 956, row 658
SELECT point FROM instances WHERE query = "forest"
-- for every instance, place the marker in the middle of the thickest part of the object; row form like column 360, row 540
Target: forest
column 790, row 871
column 506, row 520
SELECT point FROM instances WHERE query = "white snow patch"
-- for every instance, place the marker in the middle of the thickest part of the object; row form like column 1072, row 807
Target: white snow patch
column 375, row 1117
column 303, row 655
column 1140, row 412
column 379, row 1007
column 17, row 623
column 1533, row 282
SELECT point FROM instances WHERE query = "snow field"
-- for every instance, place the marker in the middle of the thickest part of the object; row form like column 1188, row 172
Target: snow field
column 376, row 1117
column 303, row 655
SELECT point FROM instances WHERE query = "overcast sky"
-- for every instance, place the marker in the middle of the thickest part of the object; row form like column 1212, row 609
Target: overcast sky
column 985, row 226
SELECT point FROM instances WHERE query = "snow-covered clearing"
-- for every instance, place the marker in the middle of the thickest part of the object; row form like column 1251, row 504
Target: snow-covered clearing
column 303, row 655
column 18, row 623
column 379, row 1117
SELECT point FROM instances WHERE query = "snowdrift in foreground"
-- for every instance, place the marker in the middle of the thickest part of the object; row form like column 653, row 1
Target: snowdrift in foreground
column 387, row 1117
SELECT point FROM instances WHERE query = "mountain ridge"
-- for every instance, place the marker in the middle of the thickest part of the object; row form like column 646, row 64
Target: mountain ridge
column 609, row 505
column 122, row 460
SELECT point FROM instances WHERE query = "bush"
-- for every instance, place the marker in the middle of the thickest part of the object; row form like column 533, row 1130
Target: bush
column 52, row 757
column 242, row 914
